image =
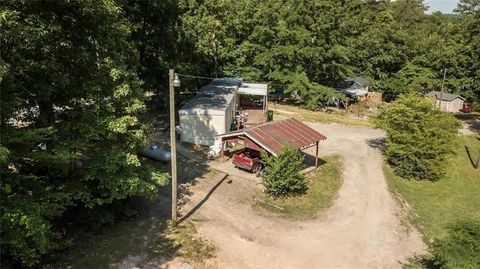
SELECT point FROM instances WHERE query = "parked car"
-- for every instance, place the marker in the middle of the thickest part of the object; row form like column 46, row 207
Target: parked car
column 467, row 108
column 277, row 96
column 249, row 160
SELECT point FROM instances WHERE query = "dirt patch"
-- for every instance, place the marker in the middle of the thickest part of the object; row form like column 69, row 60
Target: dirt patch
column 361, row 230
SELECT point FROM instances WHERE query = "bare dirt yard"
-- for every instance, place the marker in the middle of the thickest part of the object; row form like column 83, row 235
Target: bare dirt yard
column 363, row 229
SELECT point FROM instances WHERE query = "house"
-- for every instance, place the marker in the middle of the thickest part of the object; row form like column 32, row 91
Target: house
column 222, row 105
column 446, row 101
column 355, row 87
column 273, row 136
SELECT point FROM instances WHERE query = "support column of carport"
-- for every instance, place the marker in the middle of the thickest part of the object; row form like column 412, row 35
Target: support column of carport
column 223, row 150
column 316, row 154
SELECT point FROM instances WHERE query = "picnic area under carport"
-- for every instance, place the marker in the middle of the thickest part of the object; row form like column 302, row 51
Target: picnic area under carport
column 273, row 136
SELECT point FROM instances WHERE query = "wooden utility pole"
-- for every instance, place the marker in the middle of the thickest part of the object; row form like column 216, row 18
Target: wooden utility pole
column 441, row 92
column 173, row 146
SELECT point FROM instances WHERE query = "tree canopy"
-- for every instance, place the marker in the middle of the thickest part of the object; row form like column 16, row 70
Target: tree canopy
column 73, row 77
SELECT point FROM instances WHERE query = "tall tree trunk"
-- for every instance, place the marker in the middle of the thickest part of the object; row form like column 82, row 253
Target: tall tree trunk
column 47, row 115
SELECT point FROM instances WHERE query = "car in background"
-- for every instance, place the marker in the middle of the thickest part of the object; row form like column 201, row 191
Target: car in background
column 277, row 96
column 249, row 160
column 466, row 108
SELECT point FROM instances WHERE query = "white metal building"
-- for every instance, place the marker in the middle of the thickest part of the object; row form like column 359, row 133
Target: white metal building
column 212, row 110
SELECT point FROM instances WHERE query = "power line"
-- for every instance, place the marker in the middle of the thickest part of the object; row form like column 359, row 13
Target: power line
column 193, row 76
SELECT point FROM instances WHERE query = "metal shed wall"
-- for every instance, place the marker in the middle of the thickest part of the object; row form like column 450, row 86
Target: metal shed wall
column 209, row 113
column 202, row 128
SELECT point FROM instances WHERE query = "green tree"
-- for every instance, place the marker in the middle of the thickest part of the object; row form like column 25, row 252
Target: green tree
column 470, row 11
column 71, row 118
column 419, row 137
column 282, row 175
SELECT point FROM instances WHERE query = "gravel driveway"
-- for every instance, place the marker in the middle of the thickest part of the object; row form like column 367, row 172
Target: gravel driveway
column 361, row 230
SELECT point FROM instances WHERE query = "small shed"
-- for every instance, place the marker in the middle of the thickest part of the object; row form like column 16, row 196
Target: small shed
column 273, row 136
column 446, row 101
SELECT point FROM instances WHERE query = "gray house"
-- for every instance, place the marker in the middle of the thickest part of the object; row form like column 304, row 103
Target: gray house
column 356, row 87
column 446, row 101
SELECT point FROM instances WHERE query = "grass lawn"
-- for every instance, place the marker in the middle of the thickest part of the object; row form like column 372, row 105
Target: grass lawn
column 438, row 204
column 323, row 186
column 282, row 111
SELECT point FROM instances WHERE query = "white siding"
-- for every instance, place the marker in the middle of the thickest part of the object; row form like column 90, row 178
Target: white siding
column 201, row 129
column 456, row 105
column 450, row 106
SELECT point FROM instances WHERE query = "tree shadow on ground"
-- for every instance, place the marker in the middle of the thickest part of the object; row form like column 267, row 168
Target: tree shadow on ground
column 142, row 239
column 471, row 119
column 310, row 160
column 472, row 160
column 199, row 205
column 419, row 261
column 377, row 143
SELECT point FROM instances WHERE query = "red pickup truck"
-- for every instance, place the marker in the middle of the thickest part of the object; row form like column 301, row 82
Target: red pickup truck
column 248, row 159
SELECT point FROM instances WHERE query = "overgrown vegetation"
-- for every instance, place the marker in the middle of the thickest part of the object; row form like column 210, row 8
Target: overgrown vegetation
column 73, row 76
column 419, row 137
column 149, row 242
column 281, row 175
column 308, row 47
column 71, row 119
column 436, row 206
column 323, row 186
column 460, row 248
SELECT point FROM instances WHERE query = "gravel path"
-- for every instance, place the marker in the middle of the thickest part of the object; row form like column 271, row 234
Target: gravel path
column 361, row 230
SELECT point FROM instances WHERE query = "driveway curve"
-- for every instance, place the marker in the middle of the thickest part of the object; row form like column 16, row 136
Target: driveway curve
column 361, row 230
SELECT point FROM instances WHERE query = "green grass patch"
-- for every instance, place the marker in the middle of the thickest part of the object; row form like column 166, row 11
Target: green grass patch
column 282, row 111
column 149, row 239
column 439, row 204
column 183, row 241
column 323, row 186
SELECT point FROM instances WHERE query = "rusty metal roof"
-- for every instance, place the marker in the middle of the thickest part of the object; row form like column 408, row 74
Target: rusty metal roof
column 274, row 135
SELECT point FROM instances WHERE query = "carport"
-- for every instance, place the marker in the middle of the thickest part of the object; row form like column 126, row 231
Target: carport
column 273, row 136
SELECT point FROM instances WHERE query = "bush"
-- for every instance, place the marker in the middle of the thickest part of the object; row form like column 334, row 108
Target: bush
column 461, row 248
column 418, row 137
column 282, row 174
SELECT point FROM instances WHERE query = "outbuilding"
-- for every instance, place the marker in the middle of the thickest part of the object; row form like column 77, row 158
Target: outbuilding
column 223, row 105
column 273, row 136
column 446, row 101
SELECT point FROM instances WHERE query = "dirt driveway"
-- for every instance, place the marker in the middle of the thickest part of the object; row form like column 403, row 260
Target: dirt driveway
column 361, row 230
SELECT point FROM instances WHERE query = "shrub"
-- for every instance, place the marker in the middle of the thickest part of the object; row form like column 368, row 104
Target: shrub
column 418, row 136
column 461, row 248
column 282, row 175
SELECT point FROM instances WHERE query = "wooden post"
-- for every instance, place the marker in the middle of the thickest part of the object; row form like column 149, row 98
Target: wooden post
column 173, row 146
column 316, row 155
column 265, row 112
column 223, row 150
column 478, row 161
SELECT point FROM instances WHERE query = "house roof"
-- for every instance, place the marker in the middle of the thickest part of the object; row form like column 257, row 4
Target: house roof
column 445, row 96
column 253, row 89
column 212, row 99
column 359, row 80
column 273, row 136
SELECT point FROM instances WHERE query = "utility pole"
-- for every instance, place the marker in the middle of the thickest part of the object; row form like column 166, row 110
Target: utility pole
column 173, row 145
column 441, row 92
